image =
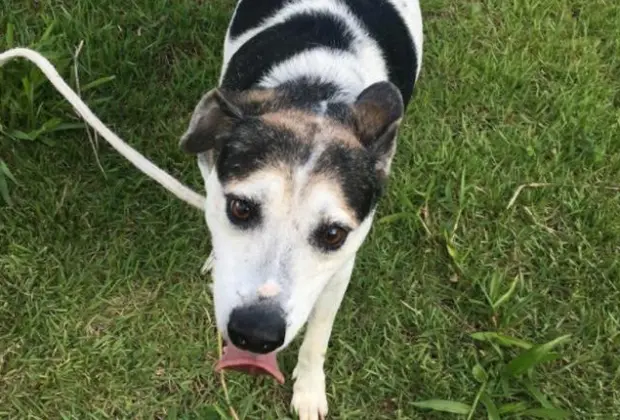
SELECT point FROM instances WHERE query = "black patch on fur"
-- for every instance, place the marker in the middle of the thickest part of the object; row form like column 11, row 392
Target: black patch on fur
column 251, row 13
column 280, row 42
column 355, row 171
column 387, row 27
column 252, row 145
column 340, row 112
column 305, row 92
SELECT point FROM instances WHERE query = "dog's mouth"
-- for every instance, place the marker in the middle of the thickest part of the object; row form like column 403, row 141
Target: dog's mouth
column 234, row 358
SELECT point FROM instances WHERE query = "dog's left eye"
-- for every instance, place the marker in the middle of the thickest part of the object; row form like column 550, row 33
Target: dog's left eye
column 241, row 212
column 331, row 237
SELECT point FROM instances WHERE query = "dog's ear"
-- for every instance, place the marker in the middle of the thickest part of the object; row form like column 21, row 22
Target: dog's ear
column 378, row 112
column 213, row 117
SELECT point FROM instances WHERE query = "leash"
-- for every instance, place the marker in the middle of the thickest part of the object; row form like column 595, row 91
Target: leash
column 147, row 167
column 139, row 161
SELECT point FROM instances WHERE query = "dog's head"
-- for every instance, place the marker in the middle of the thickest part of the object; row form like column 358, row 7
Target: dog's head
column 291, row 193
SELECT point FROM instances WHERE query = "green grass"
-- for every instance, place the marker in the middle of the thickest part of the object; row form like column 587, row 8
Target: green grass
column 103, row 313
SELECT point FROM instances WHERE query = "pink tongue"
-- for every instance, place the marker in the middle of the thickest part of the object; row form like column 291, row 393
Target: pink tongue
column 255, row 364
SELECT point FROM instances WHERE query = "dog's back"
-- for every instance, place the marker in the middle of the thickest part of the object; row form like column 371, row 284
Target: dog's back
column 345, row 44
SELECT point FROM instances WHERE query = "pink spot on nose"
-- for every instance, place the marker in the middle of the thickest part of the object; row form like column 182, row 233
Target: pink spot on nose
column 269, row 289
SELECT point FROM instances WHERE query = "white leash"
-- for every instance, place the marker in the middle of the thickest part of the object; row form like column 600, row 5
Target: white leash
column 142, row 163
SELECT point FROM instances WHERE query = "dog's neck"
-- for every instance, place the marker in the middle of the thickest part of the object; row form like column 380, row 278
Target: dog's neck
column 335, row 80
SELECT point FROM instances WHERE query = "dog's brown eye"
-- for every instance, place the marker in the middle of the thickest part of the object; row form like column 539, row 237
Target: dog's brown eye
column 332, row 237
column 240, row 209
column 241, row 212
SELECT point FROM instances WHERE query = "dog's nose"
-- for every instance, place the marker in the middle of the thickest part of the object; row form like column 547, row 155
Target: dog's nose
column 257, row 328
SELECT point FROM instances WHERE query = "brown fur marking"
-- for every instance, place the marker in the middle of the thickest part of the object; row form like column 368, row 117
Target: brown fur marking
column 311, row 128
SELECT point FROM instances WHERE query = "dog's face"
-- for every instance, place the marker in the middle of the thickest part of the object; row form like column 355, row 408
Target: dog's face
column 291, row 193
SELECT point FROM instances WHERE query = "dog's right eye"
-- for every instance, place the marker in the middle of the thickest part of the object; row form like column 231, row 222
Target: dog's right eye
column 241, row 212
column 330, row 237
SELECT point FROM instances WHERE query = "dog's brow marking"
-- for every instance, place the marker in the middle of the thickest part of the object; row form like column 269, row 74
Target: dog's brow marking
column 323, row 182
column 306, row 181
column 260, row 183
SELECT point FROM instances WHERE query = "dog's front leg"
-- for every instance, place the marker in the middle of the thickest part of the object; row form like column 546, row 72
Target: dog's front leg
column 309, row 398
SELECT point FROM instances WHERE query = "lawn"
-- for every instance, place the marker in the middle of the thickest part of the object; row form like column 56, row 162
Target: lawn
column 103, row 311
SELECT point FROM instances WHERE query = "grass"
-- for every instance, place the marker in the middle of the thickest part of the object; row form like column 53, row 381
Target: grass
column 103, row 313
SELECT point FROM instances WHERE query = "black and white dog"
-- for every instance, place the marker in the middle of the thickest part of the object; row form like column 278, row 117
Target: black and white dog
column 295, row 147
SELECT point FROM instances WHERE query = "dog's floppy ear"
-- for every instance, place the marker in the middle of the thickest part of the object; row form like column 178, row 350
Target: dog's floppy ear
column 378, row 112
column 213, row 117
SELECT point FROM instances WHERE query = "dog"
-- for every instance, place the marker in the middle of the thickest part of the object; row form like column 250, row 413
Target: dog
column 295, row 147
